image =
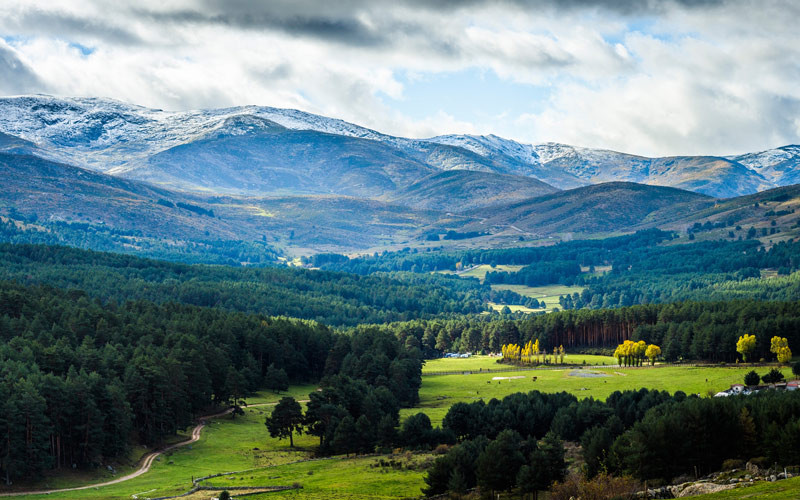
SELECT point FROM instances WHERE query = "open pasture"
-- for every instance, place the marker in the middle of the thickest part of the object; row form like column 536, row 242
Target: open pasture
column 226, row 444
column 548, row 293
column 438, row 393
column 338, row 478
column 486, row 362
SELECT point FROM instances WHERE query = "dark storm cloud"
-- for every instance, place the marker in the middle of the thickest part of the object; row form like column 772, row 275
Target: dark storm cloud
column 68, row 25
column 337, row 27
column 375, row 23
column 15, row 76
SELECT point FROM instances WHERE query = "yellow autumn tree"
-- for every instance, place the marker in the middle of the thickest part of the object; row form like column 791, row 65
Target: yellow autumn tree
column 784, row 354
column 777, row 343
column 652, row 352
column 745, row 345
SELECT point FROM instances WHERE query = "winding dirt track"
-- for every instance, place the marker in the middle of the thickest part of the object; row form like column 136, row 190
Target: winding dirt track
column 147, row 461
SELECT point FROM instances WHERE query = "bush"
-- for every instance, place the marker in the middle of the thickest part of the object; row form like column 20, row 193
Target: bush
column 796, row 369
column 774, row 376
column 733, row 463
column 751, row 378
column 602, row 487
column 225, row 495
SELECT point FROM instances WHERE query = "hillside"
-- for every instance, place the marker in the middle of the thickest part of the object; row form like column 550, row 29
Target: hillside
column 276, row 160
column 48, row 202
column 462, row 190
column 602, row 208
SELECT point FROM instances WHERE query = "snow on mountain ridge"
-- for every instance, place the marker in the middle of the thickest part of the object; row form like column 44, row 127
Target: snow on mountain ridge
column 105, row 133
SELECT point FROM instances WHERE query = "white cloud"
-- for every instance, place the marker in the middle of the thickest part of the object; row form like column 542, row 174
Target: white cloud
column 715, row 79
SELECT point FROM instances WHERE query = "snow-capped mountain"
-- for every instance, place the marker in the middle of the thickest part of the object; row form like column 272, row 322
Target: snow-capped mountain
column 154, row 145
column 106, row 133
column 779, row 165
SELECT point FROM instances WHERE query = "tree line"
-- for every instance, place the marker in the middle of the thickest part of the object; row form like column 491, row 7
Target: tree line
column 689, row 330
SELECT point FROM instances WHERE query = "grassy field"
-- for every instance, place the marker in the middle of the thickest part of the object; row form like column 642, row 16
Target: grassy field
column 226, row 444
column 243, row 444
column 439, row 392
column 491, row 362
column 299, row 392
column 338, row 478
column 549, row 293
column 513, row 308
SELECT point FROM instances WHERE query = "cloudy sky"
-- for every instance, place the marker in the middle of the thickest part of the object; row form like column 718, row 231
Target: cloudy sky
column 641, row 76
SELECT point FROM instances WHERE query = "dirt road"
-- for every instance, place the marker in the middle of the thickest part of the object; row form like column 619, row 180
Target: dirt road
column 147, row 461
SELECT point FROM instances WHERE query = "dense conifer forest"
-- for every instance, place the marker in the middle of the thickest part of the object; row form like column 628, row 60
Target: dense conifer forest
column 81, row 380
column 334, row 298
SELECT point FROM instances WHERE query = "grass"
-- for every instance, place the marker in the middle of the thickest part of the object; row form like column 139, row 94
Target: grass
column 299, row 392
column 480, row 271
column 513, row 308
column 475, row 363
column 548, row 293
column 338, row 478
column 438, row 393
column 243, row 444
column 226, row 444
column 788, row 489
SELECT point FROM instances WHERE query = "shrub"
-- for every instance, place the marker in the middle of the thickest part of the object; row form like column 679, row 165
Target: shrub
column 601, row 487
column 225, row 495
column 774, row 376
column 733, row 463
column 751, row 378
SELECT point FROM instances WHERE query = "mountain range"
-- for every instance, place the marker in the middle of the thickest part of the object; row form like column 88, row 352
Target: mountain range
column 310, row 183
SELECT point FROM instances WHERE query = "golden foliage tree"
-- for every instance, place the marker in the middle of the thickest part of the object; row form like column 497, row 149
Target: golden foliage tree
column 652, row 352
column 745, row 345
column 780, row 347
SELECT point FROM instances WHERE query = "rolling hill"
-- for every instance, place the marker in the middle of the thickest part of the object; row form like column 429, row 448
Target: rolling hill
column 462, row 190
column 602, row 208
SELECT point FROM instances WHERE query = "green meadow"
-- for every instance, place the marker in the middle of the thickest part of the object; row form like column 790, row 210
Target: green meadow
column 242, row 446
column 549, row 293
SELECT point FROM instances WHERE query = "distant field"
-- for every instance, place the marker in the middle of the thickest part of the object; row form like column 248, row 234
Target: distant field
column 480, row 271
column 548, row 293
column 514, row 308
column 490, row 362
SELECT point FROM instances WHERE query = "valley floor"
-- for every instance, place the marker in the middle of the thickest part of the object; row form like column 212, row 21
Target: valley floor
column 241, row 450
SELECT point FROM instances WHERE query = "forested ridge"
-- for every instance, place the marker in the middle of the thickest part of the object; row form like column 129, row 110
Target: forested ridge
column 334, row 298
column 81, row 380
column 646, row 267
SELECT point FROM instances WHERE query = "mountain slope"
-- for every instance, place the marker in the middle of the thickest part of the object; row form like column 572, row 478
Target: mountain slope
column 113, row 136
column 270, row 159
column 601, row 208
column 461, row 190
column 567, row 166
column 48, row 202
column 779, row 165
